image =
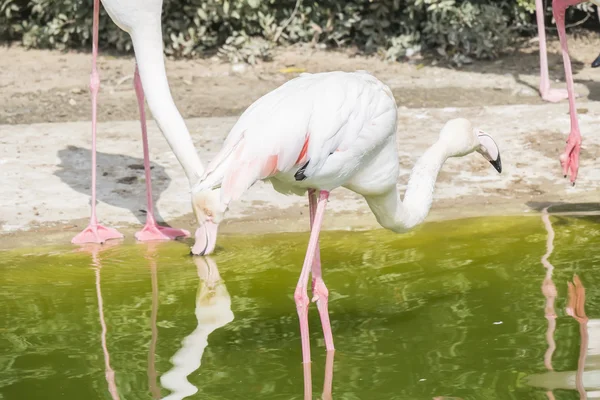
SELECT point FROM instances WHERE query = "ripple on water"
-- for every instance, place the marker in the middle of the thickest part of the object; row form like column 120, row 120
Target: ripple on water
column 454, row 308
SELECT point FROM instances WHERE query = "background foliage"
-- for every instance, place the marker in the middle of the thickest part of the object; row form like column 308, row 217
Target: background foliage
column 248, row 30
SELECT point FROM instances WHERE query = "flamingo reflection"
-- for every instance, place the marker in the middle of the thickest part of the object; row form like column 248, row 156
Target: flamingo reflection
column 550, row 293
column 586, row 380
column 213, row 311
column 94, row 250
column 152, row 374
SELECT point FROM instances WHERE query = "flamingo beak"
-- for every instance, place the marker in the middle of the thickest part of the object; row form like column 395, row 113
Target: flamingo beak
column 489, row 150
column 596, row 62
column 206, row 239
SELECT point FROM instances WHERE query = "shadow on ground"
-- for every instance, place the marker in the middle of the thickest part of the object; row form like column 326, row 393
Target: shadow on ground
column 562, row 207
column 121, row 181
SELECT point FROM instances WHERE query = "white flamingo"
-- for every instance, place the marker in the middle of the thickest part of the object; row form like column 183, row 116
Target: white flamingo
column 142, row 20
column 318, row 132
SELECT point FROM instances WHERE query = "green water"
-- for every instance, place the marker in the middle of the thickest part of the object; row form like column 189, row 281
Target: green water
column 454, row 309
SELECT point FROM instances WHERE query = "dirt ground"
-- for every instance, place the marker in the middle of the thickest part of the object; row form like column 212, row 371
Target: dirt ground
column 44, row 137
column 51, row 86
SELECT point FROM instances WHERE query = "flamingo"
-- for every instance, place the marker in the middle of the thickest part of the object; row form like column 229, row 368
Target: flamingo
column 569, row 159
column 318, row 132
column 142, row 20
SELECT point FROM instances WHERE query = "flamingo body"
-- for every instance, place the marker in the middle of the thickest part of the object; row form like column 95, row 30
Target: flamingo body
column 315, row 133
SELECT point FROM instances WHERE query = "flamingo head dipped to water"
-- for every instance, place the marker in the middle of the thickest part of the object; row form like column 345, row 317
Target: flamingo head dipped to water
column 209, row 213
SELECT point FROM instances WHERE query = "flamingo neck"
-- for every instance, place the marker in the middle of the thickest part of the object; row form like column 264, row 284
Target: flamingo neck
column 400, row 216
column 148, row 46
column 213, row 311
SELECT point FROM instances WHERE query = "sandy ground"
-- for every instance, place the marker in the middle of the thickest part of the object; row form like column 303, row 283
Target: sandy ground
column 45, row 138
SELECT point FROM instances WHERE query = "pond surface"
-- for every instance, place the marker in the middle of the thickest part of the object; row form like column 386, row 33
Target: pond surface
column 452, row 310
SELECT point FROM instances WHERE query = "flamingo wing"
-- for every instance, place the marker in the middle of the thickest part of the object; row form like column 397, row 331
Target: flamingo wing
column 294, row 128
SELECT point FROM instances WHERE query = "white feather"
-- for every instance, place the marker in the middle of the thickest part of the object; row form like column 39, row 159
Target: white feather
column 338, row 112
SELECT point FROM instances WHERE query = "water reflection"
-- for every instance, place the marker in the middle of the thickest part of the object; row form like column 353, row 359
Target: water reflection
column 94, row 250
column 550, row 293
column 587, row 375
column 213, row 311
column 455, row 329
column 327, row 382
column 151, row 257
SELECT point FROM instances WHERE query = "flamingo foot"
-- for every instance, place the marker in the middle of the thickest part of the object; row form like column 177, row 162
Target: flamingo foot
column 96, row 233
column 555, row 95
column 569, row 160
column 151, row 231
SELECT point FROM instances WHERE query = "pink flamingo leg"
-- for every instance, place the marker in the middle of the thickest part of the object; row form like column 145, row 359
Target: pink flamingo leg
column 569, row 160
column 95, row 233
column 320, row 292
column 306, row 367
column 328, row 382
column 150, row 231
column 300, row 295
column 548, row 94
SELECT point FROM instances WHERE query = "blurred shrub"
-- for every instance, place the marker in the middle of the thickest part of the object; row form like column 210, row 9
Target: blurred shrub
column 248, row 30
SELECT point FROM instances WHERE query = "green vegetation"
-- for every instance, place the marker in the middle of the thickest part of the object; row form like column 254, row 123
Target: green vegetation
column 248, row 30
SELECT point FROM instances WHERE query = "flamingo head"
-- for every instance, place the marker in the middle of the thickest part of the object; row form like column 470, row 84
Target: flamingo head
column 461, row 138
column 209, row 213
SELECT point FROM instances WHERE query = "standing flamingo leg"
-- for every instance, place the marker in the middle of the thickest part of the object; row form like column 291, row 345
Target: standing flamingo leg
column 548, row 94
column 320, row 292
column 95, row 233
column 328, row 382
column 306, row 369
column 300, row 295
column 151, row 231
column 569, row 160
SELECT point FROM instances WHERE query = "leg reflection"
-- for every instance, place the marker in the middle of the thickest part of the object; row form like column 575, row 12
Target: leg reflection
column 576, row 309
column 94, row 250
column 327, row 382
column 549, row 291
column 152, row 374
column 586, row 379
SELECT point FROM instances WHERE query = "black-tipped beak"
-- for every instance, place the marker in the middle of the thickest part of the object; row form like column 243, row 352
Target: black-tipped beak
column 596, row 62
column 497, row 164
